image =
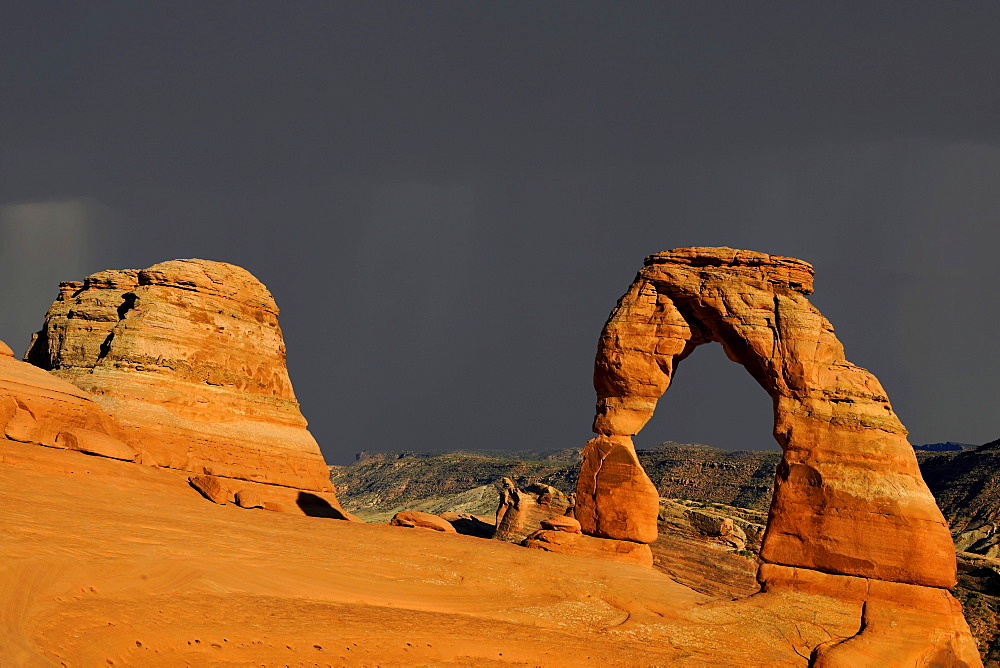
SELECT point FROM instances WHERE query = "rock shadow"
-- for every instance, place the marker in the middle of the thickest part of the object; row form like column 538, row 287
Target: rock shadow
column 473, row 526
column 316, row 506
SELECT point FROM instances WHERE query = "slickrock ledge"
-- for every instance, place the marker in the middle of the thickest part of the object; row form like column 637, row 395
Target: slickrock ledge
column 188, row 358
column 851, row 516
column 36, row 407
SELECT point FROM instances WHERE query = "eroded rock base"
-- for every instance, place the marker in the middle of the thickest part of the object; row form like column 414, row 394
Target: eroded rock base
column 900, row 624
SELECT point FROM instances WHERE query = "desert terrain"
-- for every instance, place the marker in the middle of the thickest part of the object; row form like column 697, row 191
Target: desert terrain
column 107, row 562
column 165, row 504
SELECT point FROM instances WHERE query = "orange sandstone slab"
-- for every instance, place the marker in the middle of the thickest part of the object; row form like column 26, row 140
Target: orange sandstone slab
column 37, row 407
column 565, row 542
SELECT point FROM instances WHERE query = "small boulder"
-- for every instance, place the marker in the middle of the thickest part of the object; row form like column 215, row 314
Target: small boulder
column 562, row 523
column 415, row 518
column 274, row 507
column 246, row 498
column 210, row 487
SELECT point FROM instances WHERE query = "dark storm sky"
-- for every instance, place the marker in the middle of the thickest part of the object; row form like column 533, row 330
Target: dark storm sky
column 446, row 199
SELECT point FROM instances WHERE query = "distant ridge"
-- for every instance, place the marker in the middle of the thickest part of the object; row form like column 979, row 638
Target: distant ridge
column 949, row 446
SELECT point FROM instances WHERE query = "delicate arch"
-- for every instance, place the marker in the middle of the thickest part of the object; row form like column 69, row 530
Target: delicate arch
column 848, row 498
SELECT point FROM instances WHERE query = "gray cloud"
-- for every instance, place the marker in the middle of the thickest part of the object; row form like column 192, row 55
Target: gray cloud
column 447, row 199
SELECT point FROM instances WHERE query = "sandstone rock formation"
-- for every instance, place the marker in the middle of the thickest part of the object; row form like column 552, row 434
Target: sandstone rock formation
column 521, row 512
column 417, row 519
column 188, row 357
column 850, row 510
column 733, row 532
column 36, row 407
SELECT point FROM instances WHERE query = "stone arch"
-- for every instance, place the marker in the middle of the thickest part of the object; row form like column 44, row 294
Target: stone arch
column 849, row 498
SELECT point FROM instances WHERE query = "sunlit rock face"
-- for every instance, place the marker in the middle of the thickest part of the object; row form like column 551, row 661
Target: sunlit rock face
column 850, row 508
column 188, row 357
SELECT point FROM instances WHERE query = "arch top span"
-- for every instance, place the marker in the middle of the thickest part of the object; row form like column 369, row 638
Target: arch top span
column 848, row 499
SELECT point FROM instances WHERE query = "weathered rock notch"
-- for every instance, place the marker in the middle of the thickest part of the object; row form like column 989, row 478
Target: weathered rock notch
column 188, row 358
column 851, row 515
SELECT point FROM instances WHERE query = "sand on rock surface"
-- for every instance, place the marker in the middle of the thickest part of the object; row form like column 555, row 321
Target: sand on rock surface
column 105, row 562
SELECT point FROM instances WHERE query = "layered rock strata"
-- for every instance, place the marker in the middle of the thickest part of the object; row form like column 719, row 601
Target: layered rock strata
column 188, row 357
column 849, row 504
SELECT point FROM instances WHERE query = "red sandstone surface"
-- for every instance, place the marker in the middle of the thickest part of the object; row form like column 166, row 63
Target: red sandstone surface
column 106, row 562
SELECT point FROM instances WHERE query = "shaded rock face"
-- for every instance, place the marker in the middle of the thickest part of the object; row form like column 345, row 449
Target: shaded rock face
column 849, row 503
column 188, row 357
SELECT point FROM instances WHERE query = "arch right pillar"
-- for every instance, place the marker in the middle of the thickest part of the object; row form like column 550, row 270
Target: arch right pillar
column 851, row 515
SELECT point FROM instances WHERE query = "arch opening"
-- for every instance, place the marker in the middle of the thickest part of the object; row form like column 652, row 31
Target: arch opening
column 711, row 401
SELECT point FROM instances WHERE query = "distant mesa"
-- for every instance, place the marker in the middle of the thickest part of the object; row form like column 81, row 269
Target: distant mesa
column 948, row 446
column 850, row 517
column 188, row 359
